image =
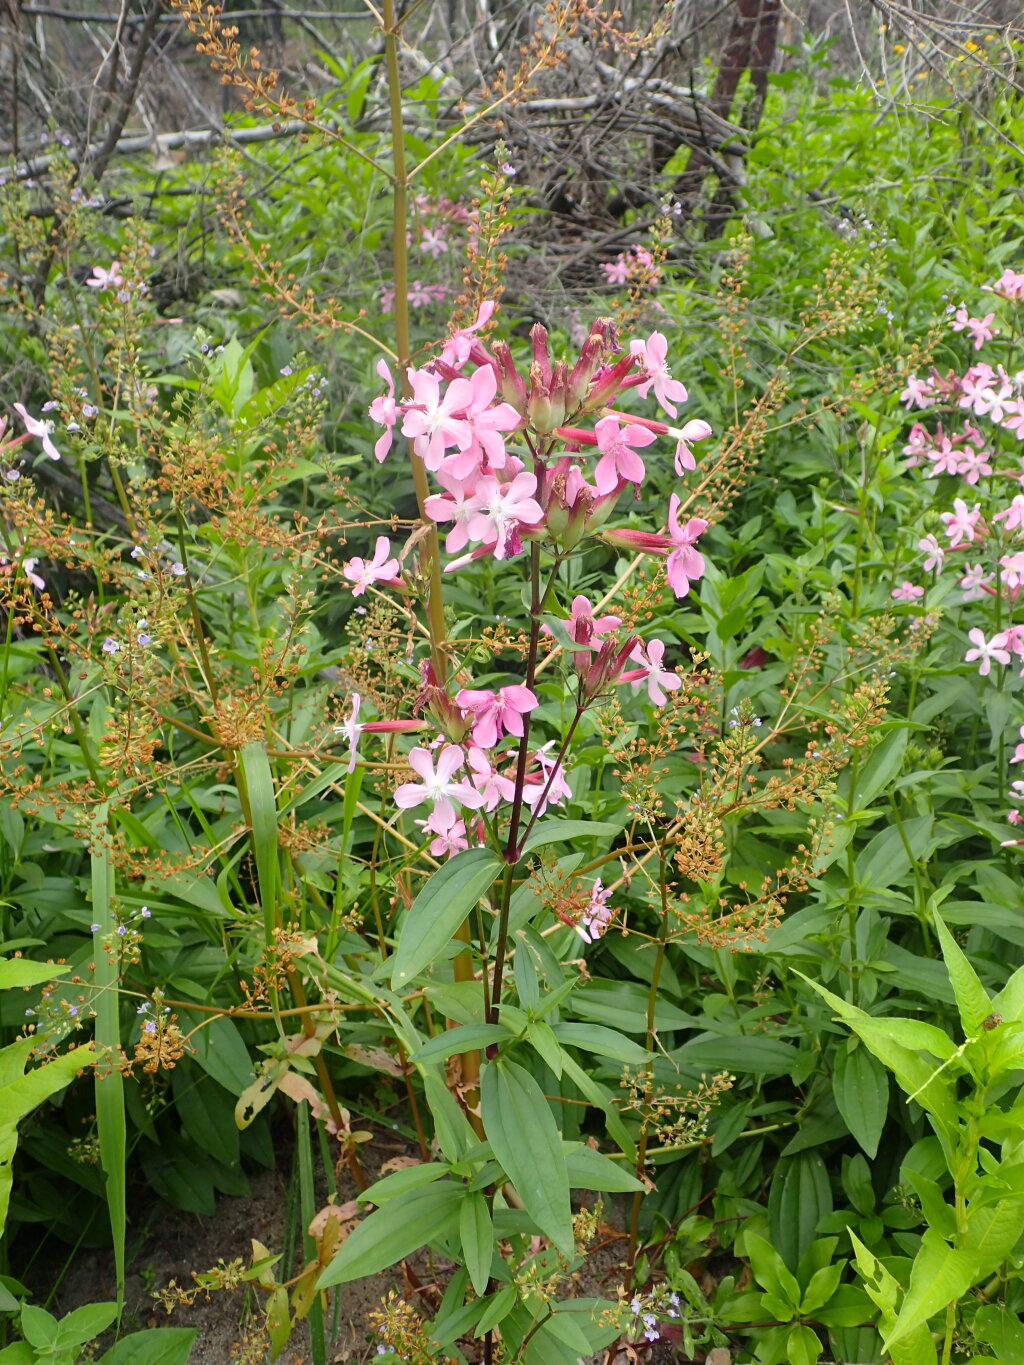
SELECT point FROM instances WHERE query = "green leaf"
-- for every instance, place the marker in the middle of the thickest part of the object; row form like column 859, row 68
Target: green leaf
column 465, row 1038
column 258, row 778
column 476, row 1233
column 800, row 1197
column 397, row 1230
column 590, row 1170
column 570, row 831
column 972, row 999
column 18, row 972
column 220, row 1051
column 861, row 1089
column 401, row 1182
column 495, row 1309
column 85, row 1323
column 771, row 1272
column 38, row 1327
column 523, row 1135
column 802, row 1346
column 940, row 1275
column 440, row 908
column 605, row 1042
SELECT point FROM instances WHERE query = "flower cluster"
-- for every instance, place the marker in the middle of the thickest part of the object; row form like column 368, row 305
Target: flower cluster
column 984, row 528
column 461, row 425
column 518, row 461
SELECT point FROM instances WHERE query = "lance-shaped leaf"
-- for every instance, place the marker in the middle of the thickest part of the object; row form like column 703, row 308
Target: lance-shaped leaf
column 442, row 905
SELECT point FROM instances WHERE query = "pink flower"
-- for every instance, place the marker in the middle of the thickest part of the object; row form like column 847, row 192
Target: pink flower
column 619, row 459
column 1018, row 753
column 1010, row 285
column 986, row 651
column 437, row 786
column 597, row 915
column 1013, row 420
column 1012, row 569
column 934, row 552
column 692, row 431
column 39, row 428
column 106, row 279
column 1012, row 515
column 486, row 423
column 585, row 630
column 384, row 410
column 907, row 592
column 499, row 508
column 432, row 422
column 975, row 583
column 653, row 354
column 362, row 572
column 919, row 393
column 493, row 786
column 496, row 712
column 457, row 506
column 548, row 786
column 658, row 679
column 456, row 349
column 351, row 729
column 617, row 272
column 961, row 524
column 684, row 561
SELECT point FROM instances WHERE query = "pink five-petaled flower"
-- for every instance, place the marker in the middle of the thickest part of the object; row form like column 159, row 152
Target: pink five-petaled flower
column 432, row 423
column 384, row 410
column 496, row 713
column 494, row 786
column 39, row 428
column 934, row 552
column 919, row 393
column 658, row 679
column 962, row 523
column 986, row 651
column 377, row 570
column 1018, row 753
column 498, row 508
column 697, row 430
column 653, row 354
column 585, row 629
column 684, row 562
column 906, row 592
column 106, row 279
column 619, row 459
column 437, row 786
column 485, row 424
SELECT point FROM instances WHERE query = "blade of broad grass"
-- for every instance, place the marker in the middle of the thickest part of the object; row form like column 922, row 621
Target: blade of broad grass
column 110, row 1115
column 262, row 811
column 307, row 1208
column 353, row 786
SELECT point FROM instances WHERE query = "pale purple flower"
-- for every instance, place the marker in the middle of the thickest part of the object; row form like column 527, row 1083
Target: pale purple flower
column 597, row 916
column 110, row 645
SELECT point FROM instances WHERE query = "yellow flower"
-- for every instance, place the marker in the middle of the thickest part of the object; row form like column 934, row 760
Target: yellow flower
column 898, row 47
